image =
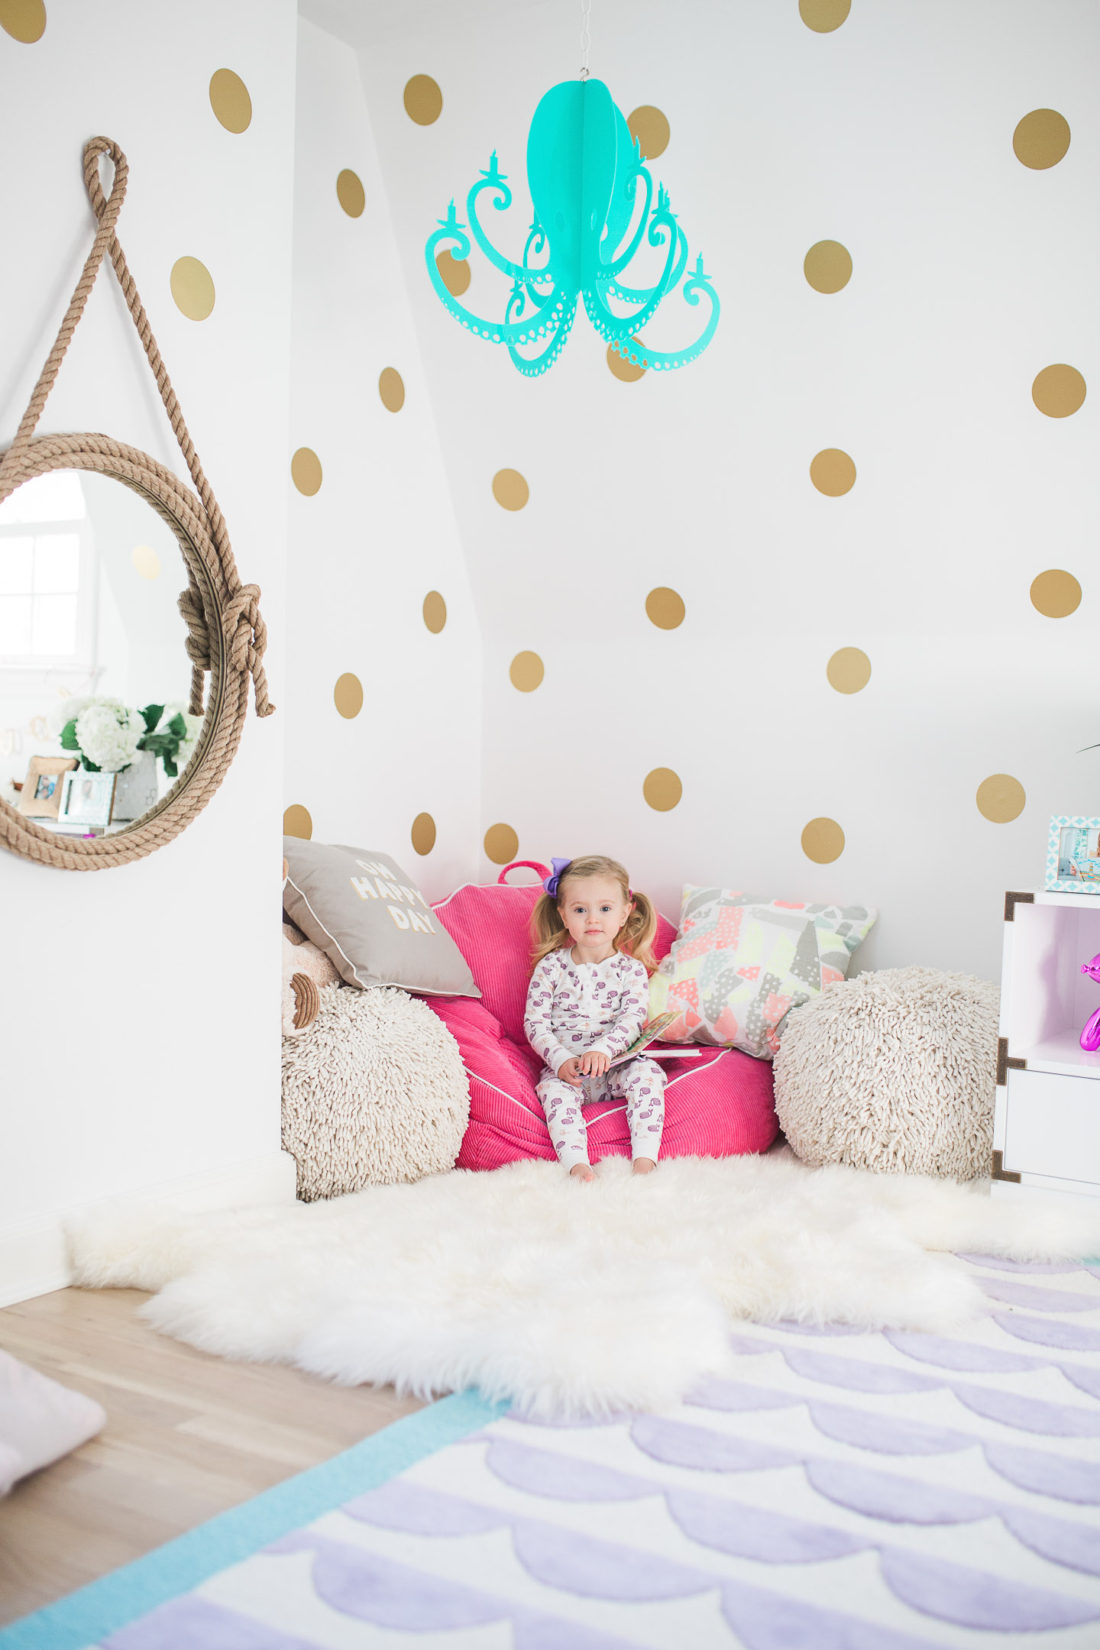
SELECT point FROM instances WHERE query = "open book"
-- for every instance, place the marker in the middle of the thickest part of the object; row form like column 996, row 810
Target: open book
column 649, row 1033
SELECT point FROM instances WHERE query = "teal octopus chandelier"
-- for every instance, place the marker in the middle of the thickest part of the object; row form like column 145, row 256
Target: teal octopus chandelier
column 593, row 215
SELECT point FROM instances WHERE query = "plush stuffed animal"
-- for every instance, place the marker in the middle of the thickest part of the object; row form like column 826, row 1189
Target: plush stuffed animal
column 306, row 970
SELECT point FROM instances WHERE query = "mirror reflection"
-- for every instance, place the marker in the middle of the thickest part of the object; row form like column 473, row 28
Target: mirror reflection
column 94, row 676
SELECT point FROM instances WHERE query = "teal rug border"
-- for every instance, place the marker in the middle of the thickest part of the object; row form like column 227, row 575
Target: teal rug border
column 106, row 1605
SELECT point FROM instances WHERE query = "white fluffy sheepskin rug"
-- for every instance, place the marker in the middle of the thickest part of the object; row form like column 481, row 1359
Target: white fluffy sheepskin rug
column 568, row 1298
column 374, row 1091
column 894, row 1070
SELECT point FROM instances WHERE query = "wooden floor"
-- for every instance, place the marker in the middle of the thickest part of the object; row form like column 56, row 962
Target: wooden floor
column 187, row 1436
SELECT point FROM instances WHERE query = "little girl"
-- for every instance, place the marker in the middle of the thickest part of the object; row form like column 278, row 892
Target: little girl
column 587, row 1001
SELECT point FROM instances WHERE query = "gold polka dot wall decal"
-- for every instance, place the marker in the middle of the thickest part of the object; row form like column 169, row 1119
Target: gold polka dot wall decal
column 454, row 273
column 1041, row 139
column 24, row 20
column 651, row 129
column 822, row 841
column 435, row 612
column 832, row 472
column 823, row 16
column 526, row 672
column 849, row 670
column 423, row 100
column 230, row 101
column 348, row 695
column 305, row 471
column 664, row 608
column 1058, row 391
column 350, row 193
column 628, row 372
column 391, row 387
column 192, row 288
column 1055, row 594
column 510, row 490
column 662, row 789
column 501, row 844
column 1001, row 798
column 146, row 561
column 827, row 266
column 297, row 822
column 423, row 833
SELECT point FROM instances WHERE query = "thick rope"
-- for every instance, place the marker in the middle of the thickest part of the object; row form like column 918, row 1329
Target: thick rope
column 108, row 217
column 102, row 206
column 107, row 209
column 198, row 641
column 227, row 708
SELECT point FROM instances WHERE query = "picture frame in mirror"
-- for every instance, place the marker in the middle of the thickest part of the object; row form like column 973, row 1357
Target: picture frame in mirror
column 1073, row 854
column 87, row 798
column 40, row 797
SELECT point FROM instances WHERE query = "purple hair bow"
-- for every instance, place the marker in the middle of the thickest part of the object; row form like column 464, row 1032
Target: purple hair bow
column 550, row 883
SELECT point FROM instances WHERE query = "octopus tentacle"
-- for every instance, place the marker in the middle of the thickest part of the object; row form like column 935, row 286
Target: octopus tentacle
column 497, row 332
column 518, row 299
column 532, row 366
column 619, row 264
column 496, row 180
column 641, row 295
column 613, row 327
column 532, row 278
column 633, row 349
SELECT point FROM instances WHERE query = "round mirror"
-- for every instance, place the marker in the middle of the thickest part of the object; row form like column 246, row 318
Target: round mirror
column 108, row 678
column 95, row 681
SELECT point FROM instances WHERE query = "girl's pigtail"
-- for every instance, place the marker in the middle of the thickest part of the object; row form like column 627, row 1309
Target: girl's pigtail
column 547, row 929
column 639, row 931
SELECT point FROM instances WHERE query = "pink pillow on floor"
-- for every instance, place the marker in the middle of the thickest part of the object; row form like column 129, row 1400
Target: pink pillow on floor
column 716, row 1105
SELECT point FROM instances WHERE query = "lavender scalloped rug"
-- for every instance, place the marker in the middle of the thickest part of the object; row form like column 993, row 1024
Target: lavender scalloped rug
column 835, row 1489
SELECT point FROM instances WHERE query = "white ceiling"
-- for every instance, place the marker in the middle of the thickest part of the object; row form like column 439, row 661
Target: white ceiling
column 363, row 22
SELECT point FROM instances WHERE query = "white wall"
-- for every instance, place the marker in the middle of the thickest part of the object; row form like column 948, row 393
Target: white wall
column 892, row 135
column 139, row 1006
column 380, row 533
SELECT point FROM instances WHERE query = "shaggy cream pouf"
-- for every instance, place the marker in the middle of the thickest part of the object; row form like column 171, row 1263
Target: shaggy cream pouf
column 893, row 1071
column 569, row 1297
column 373, row 1092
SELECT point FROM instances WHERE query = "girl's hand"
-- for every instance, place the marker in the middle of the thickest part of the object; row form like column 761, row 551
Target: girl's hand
column 570, row 1071
column 594, row 1064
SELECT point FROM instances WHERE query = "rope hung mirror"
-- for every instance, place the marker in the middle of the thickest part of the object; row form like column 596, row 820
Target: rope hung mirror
column 79, row 630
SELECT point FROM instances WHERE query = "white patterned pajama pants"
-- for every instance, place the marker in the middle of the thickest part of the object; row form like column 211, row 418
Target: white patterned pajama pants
column 640, row 1082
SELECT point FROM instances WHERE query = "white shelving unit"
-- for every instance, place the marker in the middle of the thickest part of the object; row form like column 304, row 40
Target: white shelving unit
column 1046, row 1129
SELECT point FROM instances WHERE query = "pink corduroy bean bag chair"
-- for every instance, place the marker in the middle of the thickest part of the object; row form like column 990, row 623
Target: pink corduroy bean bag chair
column 716, row 1105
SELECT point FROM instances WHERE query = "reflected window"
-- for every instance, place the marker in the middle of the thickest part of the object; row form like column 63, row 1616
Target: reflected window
column 47, row 594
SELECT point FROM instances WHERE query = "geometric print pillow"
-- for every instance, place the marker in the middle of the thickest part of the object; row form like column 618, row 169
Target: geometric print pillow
column 741, row 962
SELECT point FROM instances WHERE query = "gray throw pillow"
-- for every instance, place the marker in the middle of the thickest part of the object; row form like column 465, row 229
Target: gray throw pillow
column 371, row 920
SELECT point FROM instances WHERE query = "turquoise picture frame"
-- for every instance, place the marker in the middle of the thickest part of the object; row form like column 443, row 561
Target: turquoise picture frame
column 1073, row 854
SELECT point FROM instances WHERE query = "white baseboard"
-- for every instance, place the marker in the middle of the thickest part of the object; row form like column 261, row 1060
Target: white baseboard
column 1034, row 1186
column 33, row 1254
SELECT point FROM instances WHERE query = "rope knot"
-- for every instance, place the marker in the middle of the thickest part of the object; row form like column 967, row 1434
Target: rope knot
column 197, row 645
column 245, row 636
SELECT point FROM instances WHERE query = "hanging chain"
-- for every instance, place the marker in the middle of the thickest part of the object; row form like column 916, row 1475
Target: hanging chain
column 586, row 39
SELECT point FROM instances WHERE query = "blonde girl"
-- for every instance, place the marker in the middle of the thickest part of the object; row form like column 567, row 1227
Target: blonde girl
column 587, row 1001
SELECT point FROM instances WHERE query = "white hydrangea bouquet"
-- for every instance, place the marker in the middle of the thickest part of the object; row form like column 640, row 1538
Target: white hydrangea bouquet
column 107, row 735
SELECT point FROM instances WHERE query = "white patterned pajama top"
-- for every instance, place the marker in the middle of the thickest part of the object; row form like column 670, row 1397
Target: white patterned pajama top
column 576, row 1007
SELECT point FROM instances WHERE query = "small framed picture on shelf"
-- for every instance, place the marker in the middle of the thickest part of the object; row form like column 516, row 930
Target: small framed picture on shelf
column 87, row 798
column 1073, row 854
column 40, row 797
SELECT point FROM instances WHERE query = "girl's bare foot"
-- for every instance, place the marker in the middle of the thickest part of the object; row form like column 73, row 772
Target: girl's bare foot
column 582, row 1171
column 644, row 1165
